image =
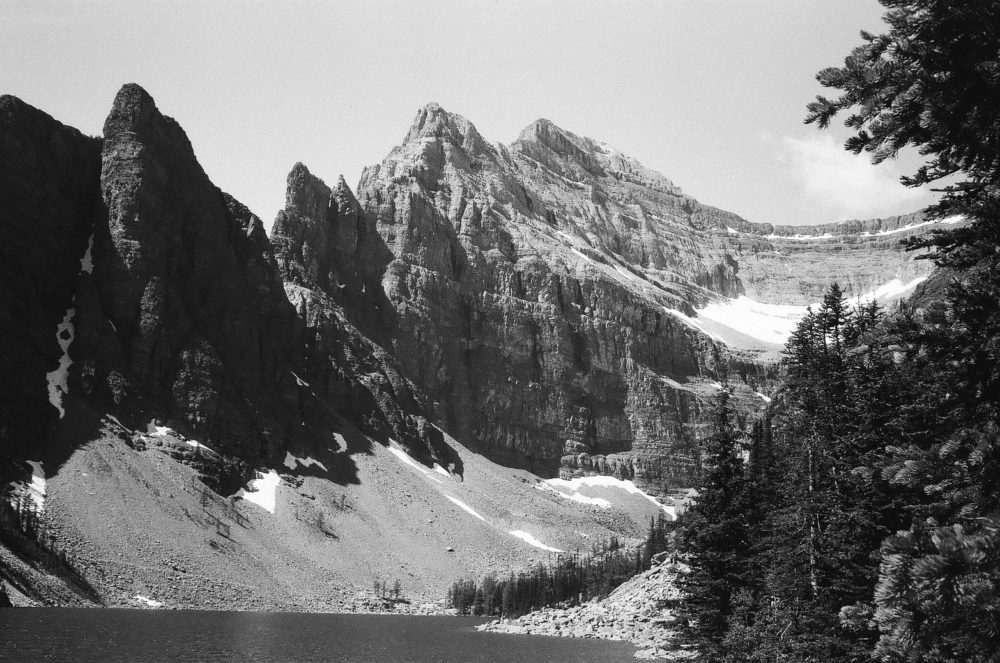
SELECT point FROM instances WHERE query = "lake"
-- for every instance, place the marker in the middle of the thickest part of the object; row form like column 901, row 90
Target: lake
column 107, row 635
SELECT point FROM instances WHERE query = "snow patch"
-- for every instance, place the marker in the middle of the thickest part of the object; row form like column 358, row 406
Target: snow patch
column 36, row 489
column 766, row 399
column 772, row 323
column 115, row 420
column 441, row 470
column 576, row 496
column 299, row 381
column 894, row 288
column 263, row 490
column 950, row 220
column 531, row 540
column 149, row 603
column 152, row 430
column 292, row 462
column 693, row 322
column 626, row 273
column 58, row 379
column 570, row 487
column 87, row 261
column 196, row 444
column 403, row 456
column 465, row 507
column 802, row 238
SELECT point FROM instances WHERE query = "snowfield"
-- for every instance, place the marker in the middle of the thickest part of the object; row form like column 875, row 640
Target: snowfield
column 532, row 541
column 263, row 490
column 771, row 323
column 774, row 323
column 571, row 489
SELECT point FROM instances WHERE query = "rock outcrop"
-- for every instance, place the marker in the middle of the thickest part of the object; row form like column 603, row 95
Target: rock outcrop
column 184, row 318
column 332, row 259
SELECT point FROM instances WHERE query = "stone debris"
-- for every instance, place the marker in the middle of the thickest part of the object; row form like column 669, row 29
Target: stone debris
column 640, row 611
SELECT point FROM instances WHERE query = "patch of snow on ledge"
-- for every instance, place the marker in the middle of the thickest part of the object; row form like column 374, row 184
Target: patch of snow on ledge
column 766, row 399
column 152, row 430
column 196, row 444
column 58, row 379
column 36, row 489
column 405, row 457
column 531, row 540
column 263, row 490
column 575, row 496
column 628, row 486
column 441, row 470
column 465, row 507
column 947, row 220
column 893, row 288
column 802, row 238
column 299, row 381
column 150, row 603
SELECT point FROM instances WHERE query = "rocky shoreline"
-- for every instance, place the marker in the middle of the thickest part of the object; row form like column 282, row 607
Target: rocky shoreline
column 640, row 612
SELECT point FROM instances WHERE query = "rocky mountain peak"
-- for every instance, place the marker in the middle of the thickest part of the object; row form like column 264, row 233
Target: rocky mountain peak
column 134, row 113
column 548, row 143
column 306, row 193
column 432, row 121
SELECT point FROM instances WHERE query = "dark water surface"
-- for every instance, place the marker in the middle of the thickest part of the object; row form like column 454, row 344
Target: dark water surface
column 68, row 634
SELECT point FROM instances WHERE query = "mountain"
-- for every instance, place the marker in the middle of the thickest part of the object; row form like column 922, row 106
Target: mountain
column 551, row 306
column 545, row 295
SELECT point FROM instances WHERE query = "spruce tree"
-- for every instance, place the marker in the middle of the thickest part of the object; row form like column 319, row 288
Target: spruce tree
column 714, row 536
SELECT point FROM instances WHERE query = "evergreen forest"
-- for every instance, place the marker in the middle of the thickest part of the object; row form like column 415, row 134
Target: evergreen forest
column 859, row 518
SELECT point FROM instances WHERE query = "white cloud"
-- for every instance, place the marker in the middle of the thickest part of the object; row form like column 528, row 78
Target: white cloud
column 847, row 185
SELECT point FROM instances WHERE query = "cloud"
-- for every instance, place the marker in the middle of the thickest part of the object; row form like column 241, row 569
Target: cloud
column 843, row 184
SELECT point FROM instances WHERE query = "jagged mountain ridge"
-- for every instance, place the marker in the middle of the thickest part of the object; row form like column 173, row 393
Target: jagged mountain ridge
column 531, row 299
column 180, row 314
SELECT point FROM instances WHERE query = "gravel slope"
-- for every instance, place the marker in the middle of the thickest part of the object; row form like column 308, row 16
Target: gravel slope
column 132, row 521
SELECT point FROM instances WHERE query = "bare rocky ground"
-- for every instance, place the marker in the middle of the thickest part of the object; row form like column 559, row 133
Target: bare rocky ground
column 640, row 611
column 132, row 522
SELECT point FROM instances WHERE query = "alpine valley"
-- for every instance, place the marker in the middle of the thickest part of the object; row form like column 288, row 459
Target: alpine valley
column 482, row 357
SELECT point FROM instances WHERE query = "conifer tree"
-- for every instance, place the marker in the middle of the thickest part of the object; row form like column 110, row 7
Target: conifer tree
column 932, row 82
column 714, row 536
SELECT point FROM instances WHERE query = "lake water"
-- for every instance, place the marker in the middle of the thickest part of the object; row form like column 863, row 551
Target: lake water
column 107, row 635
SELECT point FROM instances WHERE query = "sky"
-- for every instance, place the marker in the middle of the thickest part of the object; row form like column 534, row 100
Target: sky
column 711, row 93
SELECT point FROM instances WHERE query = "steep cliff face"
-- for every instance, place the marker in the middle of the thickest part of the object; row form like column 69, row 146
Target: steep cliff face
column 184, row 318
column 332, row 259
column 48, row 198
column 519, row 311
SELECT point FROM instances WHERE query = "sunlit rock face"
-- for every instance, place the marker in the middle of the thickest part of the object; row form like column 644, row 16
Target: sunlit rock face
column 546, row 295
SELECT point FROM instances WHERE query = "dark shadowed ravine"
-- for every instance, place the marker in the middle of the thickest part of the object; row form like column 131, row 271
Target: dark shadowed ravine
column 64, row 634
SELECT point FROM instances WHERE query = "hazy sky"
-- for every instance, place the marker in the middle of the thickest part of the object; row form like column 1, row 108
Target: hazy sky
column 709, row 92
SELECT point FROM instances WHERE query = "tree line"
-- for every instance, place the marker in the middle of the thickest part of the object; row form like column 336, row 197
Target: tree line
column 570, row 580
column 859, row 519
